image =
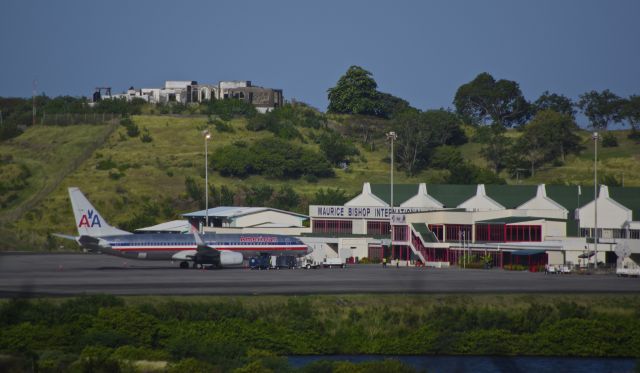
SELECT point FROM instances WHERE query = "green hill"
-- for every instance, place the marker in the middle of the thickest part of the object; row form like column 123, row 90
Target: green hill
column 131, row 181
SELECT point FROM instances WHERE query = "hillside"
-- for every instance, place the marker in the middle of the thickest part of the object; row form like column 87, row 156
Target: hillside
column 123, row 175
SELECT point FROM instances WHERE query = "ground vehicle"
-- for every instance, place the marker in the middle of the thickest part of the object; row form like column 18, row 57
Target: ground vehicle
column 309, row 264
column 333, row 262
column 260, row 262
column 284, row 261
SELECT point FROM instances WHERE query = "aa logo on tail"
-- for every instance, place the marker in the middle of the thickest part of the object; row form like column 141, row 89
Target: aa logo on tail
column 90, row 220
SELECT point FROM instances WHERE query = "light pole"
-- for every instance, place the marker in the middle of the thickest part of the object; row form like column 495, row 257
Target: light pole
column 207, row 136
column 392, row 136
column 595, row 198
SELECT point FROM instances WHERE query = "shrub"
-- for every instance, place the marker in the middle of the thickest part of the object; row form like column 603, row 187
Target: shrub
column 227, row 109
column 132, row 128
column 609, row 140
column 146, row 137
column 222, row 126
column 336, row 148
column 106, row 164
column 634, row 135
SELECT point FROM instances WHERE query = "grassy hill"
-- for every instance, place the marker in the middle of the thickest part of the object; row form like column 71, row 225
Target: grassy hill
column 123, row 175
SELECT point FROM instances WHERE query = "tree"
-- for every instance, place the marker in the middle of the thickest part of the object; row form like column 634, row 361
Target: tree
column 630, row 111
column 555, row 102
column 414, row 142
column 548, row 136
column 445, row 126
column 485, row 99
column 601, row 108
column 391, row 105
column 497, row 151
column 330, row 196
column 419, row 133
column 355, row 93
column 531, row 147
column 336, row 148
column 259, row 195
column 286, row 198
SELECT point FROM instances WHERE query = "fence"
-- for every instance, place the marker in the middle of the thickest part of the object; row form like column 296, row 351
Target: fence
column 82, row 118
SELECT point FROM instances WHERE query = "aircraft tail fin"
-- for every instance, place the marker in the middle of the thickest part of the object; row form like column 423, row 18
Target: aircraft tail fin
column 88, row 220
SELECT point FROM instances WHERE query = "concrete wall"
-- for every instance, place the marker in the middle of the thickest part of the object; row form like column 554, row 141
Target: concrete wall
column 353, row 247
column 359, row 226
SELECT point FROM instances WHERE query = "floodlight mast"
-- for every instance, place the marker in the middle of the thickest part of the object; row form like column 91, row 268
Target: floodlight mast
column 207, row 136
column 595, row 198
column 392, row 136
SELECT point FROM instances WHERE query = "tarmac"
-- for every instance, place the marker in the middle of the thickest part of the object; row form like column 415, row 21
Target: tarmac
column 75, row 274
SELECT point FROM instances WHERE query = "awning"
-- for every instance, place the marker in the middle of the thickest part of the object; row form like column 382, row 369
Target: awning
column 529, row 252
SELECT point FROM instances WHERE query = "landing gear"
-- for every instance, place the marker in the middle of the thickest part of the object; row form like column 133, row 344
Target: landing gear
column 184, row 265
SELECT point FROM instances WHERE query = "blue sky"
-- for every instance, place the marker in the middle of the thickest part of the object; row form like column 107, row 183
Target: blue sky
column 421, row 51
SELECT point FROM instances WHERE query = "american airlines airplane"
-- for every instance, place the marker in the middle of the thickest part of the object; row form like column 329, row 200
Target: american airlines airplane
column 218, row 250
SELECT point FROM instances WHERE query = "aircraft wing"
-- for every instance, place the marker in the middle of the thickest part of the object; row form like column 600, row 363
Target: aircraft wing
column 206, row 254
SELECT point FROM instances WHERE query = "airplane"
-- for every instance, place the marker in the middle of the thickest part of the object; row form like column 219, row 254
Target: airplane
column 218, row 250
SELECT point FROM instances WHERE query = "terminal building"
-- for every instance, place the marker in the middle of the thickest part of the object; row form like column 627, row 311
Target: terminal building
column 442, row 225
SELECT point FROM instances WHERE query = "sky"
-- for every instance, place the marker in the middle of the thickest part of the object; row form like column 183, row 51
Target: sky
column 421, row 51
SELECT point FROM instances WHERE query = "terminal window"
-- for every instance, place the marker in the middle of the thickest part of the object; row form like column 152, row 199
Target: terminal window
column 378, row 228
column 332, row 226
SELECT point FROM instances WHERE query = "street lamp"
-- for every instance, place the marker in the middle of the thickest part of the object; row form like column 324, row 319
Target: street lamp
column 207, row 136
column 392, row 136
column 595, row 198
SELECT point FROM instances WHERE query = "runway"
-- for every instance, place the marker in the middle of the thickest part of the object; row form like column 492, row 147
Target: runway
column 74, row 274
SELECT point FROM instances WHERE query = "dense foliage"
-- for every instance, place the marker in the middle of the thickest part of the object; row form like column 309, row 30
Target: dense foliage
column 356, row 93
column 14, row 177
column 419, row 133
column 484, row 99
column 548, row 136
column 271, row 157
column 601, row 108
column 226, row 334
column 228, row 109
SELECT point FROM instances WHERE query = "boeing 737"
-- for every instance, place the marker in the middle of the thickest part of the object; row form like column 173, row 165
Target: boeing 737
column 218, row 250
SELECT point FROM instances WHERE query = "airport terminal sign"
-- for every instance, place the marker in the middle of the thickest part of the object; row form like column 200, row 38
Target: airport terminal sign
column 359, row 212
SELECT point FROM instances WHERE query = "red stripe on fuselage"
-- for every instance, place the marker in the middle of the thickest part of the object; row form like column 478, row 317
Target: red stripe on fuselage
column 177, row 249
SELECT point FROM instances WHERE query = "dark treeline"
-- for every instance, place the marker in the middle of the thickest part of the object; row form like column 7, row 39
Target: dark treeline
column 104, row 331
column 548, row 126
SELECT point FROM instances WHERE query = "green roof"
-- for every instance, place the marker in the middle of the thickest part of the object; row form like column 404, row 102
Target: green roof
column 401, row 192
column 424, row 232
column 567, row 196
column 451, row 195
column 511, row 196
column 511, row 220
column 628, row 197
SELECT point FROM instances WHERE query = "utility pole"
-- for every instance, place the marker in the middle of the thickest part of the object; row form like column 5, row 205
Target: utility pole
column 392, row 136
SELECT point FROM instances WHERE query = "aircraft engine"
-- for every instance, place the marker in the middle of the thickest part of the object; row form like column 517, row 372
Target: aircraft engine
column 230, row 258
